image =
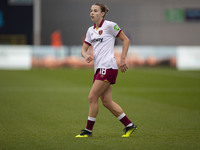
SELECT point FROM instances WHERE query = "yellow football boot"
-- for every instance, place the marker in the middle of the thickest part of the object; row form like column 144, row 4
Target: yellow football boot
column 129, row 130
column 84, row 134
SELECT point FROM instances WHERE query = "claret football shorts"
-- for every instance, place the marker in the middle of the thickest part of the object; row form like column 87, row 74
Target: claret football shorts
column 107, row 75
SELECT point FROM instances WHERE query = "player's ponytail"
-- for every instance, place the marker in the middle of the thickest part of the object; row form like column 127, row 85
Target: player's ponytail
column 103, row 7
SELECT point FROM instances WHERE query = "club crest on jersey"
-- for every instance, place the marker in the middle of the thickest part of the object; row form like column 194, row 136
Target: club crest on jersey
column 100, row 32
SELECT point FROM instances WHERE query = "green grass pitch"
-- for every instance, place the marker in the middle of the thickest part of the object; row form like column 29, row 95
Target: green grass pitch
column 45, row 109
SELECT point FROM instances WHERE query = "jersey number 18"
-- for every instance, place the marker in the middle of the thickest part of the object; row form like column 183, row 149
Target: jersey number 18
column 102, row 71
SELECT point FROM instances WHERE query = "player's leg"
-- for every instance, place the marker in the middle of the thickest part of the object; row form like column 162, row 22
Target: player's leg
column 113, row 107
column 117, row 111
column 98, row 88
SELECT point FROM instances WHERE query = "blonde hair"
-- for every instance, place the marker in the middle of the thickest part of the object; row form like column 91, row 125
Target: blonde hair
column 103, row 7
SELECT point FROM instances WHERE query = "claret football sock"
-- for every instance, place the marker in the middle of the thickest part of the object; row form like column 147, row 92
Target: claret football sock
column 124, row 120
column 90, row 123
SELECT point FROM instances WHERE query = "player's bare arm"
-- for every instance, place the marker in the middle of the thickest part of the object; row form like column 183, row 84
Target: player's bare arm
column 84, row 53
column 122, row 65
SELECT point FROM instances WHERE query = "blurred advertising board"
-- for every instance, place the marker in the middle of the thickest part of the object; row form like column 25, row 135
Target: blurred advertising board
column 139, row 56
column 15, row 57
column 188, row 58
column 27, row 57
column 70, row 56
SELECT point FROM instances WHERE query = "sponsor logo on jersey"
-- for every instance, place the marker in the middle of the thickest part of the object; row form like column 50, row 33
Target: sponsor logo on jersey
column 100, row 32
column 97, row 40
column 116, row 27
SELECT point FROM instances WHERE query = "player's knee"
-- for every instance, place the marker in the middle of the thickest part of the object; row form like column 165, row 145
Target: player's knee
column 91, row 98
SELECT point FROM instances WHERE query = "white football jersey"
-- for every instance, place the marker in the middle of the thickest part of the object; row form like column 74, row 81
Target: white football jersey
column 102, row 40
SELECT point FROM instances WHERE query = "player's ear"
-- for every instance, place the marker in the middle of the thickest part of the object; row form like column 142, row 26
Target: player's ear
column 103, row 14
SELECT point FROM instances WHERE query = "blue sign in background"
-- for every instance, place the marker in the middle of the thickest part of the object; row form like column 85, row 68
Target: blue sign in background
column 1, row 19
column 192, row 14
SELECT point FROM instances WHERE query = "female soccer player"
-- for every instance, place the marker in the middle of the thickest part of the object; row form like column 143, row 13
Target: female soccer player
column 101, row 37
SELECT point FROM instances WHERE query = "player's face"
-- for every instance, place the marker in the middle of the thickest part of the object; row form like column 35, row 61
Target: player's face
column 95, row 14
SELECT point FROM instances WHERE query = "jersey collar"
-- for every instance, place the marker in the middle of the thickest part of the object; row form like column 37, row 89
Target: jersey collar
column 102, row 21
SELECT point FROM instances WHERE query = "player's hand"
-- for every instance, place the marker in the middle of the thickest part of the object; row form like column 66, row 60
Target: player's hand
column 89, row 58
column 122, row 66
